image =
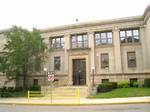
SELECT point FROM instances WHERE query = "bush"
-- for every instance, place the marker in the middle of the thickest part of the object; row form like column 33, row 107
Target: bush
column 135, row 84
column 147, row 83
column 10, row 89
column 114, row 85
column 35, row 88
column 123, row 84
column 17, row 89
column 132, row 81
column 104, row 87
column 4, row 92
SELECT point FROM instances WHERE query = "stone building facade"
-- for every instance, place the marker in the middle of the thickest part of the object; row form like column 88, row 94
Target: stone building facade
column 112, row 50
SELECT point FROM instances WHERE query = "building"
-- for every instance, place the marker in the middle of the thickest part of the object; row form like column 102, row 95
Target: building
column 110, row 50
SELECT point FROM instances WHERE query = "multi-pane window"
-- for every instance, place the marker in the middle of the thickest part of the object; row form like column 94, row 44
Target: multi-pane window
column 104, row 60
column 57, row 42
column 79, row 41
column 57, row 63
column 131, row 56
column 105, row 80
column 129, row 36
column 103, row 38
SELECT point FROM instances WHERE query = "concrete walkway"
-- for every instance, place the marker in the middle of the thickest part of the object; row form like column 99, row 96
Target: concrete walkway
column 83, row 101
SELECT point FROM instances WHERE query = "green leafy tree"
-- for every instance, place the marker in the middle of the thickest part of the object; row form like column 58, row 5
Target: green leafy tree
column 25, row 53
column 3, row 65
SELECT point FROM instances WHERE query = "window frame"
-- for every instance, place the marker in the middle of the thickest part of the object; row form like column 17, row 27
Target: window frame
column 61, row 43
column 126, row 37
column 101, row 39
column 130, row 65
column 83, row 43
column 59, row 65
column 102, row 64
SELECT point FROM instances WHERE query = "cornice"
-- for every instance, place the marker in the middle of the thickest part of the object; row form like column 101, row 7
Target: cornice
column 94, row 23
column 146, row 14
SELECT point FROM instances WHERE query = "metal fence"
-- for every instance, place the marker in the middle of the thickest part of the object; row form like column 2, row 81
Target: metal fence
column 55, row 96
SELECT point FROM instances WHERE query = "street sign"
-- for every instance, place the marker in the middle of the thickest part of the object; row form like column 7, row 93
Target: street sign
column 51, row 76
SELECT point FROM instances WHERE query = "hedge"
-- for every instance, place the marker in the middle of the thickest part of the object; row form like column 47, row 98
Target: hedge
column 123, row 84
column 104, row 87
column 147, row 83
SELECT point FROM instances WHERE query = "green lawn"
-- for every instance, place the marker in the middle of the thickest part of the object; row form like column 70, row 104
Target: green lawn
column 124, row 92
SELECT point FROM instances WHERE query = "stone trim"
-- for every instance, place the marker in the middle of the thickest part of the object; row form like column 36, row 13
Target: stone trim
column 114, row 74
column 146, row 15
column 95, row 23
column 104, row 46
column 131, row 44
column 78, row 49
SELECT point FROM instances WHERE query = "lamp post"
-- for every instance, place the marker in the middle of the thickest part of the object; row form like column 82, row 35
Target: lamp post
column 45, row 71
column 93, row 68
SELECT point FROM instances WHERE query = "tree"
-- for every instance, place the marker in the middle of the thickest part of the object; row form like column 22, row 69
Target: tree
column 25, row 53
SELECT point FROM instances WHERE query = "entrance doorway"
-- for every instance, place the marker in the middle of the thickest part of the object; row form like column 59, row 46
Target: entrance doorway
column 79, row 72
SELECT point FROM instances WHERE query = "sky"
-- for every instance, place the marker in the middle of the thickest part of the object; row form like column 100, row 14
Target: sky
column 49, row 13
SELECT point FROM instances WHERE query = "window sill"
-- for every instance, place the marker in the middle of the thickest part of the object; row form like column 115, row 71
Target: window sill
column 104, row 45
column 130, row 44
column 56, row 49
column 76, row 49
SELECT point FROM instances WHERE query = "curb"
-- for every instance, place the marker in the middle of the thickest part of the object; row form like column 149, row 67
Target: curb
column 83, row 104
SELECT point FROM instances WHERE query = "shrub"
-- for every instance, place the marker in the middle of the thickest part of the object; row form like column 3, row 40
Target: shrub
column 104, row 87
column 132, row 81
column 114, row 85
column 135, row 84
column 10, row 89
column 35, row 88
column 147, row 83
column 4, row 92
column 123, row 84
column 17, row 89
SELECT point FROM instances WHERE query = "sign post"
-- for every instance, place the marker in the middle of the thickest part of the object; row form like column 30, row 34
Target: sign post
column 51, row 79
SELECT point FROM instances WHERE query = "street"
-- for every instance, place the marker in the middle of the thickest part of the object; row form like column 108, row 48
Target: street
column 145, row 107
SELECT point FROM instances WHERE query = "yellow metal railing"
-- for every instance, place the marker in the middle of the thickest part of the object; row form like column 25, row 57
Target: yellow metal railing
column 56, row 96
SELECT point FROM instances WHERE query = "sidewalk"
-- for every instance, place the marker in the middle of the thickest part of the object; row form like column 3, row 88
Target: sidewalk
column 83, row 101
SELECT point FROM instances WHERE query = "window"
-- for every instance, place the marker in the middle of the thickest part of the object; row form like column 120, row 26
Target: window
column 105, row 80
column 57, row 42
column 57, row 63
column 103, row 38
column 131, row 56
column 79, row 41
column 129, row 36
column 104, row 60
column 35, row 82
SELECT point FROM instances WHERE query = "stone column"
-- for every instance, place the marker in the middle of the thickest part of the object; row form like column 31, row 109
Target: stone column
column 117, row 51
column 148, row 42
column 143, row 41
column 92, row 54
column 66, row 47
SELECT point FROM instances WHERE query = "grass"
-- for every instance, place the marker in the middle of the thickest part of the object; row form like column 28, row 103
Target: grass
column 124, row 93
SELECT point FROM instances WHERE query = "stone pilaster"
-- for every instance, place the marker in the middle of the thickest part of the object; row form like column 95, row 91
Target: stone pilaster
column 148, row 41
column 92, row 46
column 117, row 51
column 66, row 47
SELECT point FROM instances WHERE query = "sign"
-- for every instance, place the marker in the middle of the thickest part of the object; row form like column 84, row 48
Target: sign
column 51, row 76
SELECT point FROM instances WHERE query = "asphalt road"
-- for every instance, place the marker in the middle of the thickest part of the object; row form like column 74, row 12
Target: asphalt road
column 93, row 108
